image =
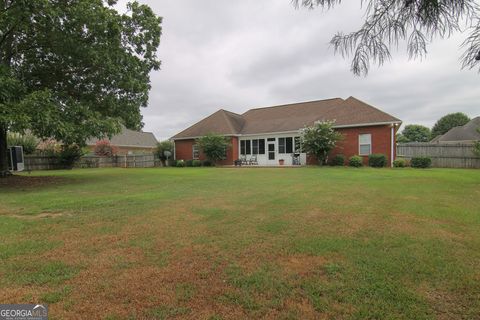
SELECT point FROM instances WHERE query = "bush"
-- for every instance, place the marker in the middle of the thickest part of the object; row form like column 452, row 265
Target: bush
column 355, row 161
column 207, row 163
column 27, row 141
column 180, row 164
column 421, row 162
column 69, row 154
column 196, row 163
column 377, row 160
column 400, row 163
column 104, row 148
column 338, row 160
column 189, row 163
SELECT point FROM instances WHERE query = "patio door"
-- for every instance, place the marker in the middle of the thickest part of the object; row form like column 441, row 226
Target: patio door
column 271, row 151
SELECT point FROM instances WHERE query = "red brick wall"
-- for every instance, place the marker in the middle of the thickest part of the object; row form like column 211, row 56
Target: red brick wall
column 381, row 141
column 184, row 151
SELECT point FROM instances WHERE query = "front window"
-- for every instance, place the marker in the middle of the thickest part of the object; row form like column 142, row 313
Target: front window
column 281, row 145
column 245, row 147
column 364, row 144
column 285, row 145
column 195, row 152
column 255, row 146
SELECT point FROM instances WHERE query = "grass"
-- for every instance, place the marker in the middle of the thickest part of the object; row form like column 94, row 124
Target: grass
column 333, row 243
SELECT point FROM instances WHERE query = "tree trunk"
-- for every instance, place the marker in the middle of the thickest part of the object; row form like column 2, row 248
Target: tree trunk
column 3, row 152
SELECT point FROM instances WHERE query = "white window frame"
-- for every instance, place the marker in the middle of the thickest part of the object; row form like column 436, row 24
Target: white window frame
column 195, row 150
column 364, row 143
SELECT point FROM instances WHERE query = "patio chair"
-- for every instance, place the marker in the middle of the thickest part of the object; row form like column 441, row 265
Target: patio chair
column 243, row 160
column 296, row 159
column 253, row 160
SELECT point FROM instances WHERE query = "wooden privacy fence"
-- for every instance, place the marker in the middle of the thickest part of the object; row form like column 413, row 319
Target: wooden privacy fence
column 443, row 155
column 41, row 162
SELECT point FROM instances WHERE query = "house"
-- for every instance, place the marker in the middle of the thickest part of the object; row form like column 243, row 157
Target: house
column 130, row 142
column 467, row 133
column 272, row 133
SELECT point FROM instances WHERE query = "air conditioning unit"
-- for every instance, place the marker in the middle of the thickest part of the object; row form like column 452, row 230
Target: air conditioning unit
column 16, row 159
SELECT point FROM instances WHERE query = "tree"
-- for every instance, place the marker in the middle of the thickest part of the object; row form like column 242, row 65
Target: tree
column 401, row 138
column 104, row 148
column 448, row 122
column 74, row 69
column 415, row 22
column 27, row 141
column 320, row 139
column 161, row 148
column 416, row 133
column 213, row 146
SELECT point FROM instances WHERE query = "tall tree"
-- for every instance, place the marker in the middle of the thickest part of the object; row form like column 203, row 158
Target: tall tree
column 416, row 133
column 416, row 22
column 448, row 122
column 74, row 69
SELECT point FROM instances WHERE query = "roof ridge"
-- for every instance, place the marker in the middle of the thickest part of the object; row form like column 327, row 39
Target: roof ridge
column 293, row 103
column 373, row 107
column 228, row 120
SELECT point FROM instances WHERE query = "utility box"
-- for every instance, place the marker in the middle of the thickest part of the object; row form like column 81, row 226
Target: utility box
column 16, row 159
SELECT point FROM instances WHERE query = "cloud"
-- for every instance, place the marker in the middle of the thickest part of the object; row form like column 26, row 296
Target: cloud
column 241, row 54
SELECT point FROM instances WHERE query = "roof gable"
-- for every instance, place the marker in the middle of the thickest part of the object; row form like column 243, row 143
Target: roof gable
column 468, row 132
column 130, row 138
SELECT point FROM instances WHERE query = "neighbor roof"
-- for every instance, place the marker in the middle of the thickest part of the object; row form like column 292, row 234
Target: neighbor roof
column 467, row 132
column 289, row 117
column 130, row 138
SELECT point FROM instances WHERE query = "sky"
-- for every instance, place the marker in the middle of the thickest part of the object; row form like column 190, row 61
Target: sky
column 239, row 55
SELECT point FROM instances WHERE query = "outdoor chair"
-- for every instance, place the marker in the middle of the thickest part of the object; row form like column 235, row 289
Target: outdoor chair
column 243, row 160
column 296, row 159
column 253, row 160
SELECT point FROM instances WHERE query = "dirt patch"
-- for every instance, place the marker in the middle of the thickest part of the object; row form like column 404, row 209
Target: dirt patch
column 29, row 182
column 302, row 265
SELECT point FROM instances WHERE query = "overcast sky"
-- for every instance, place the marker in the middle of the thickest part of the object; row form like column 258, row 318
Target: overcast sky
column 238, row 55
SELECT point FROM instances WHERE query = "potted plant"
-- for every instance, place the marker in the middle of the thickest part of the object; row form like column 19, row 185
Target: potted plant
column 281, row 162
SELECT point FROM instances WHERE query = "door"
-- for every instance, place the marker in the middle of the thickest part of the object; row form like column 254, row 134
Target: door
column 271, row 151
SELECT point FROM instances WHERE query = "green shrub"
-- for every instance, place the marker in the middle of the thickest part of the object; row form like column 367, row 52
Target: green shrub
column 27, row 141
column 338, row 160
column 69, row 154
column 421, row 162
column 196, row 163
column 400, row 163
column 355, row 161
column 377, row 160
column 189, row 163
column 207, row 163
column 180, row 163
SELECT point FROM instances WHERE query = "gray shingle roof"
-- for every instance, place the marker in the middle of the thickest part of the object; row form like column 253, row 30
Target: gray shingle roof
column 130, row 138
column 468, row 132
column 290, row 117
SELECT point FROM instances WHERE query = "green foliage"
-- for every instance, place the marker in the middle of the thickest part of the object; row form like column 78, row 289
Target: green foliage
column 196, row 163
column 207, row 163
column 75, row 69
column 401, row 138
column 377, row 160
column 163, row 146
column 180, row 164
column 476, row 148
column 27, row 141
column 213, row 146
column 338, row 160
column 189, row 163
column 448, row 122
column 355, row 161
column 320, row 139
column 69, row 154
column 105, row 148
column 415, row 133
column 399, row 163
column 421, row 162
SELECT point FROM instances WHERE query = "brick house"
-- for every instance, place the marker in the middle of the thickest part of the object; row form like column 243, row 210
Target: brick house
column 129, row 142
column 272, row 133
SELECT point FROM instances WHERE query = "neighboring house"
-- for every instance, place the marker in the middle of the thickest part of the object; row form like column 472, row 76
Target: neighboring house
column 467, row 133
column 130, row 142
column 272, row 133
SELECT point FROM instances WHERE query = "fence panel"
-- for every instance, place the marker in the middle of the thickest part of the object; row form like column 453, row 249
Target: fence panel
column 443, row 155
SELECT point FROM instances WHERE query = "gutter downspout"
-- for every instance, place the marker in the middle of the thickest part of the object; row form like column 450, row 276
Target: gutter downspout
column 392, row 141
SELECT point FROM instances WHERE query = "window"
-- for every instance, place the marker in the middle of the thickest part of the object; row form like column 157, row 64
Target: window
column 271, row 139
column 364, row 144
column 289, row 144
column 261, row 146
column 247, row 147
column 242, row 147
column 255, row 146
column 281, row 145
column 195, row 152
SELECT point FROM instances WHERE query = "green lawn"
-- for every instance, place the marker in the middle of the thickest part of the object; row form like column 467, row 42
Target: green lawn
column 212, row 243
